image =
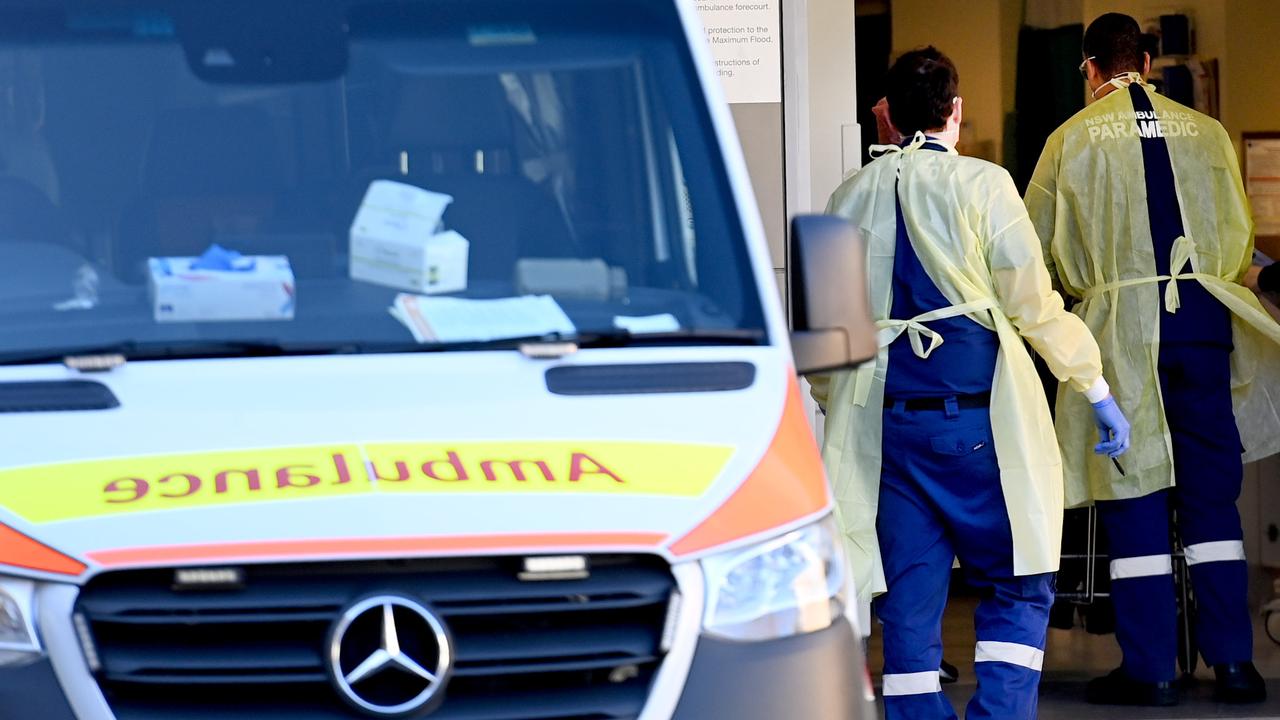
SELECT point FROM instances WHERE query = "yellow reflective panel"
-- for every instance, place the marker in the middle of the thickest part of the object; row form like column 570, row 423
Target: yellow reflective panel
column 66, row 491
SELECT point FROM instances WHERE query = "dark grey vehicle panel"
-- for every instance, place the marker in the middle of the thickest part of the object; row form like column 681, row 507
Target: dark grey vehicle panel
column 32, row 692
column 818, row 676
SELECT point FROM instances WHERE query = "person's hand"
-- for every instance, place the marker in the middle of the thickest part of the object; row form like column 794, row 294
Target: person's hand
column 1251, row 277
column 885, row 130
column 1113, row 428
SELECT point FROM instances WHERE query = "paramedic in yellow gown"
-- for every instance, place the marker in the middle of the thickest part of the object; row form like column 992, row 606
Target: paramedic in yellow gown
column 943, row 446
column 1133, row 190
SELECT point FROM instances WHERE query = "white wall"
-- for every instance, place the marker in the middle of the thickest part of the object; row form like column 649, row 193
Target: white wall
column 833, row 125
column 820, row 111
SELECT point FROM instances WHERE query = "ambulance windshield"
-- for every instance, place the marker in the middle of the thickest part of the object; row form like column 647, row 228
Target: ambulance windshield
column 346, row 175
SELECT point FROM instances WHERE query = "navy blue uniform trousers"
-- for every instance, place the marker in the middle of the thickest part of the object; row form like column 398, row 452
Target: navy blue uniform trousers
column 940, row 498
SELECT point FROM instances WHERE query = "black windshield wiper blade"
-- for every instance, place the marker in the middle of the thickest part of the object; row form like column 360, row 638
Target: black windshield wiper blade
column 409, row 346
column 623, row 338
column 201, row 348
column 197, row 349
column 587, row 339
column 40, row 356
column 189, row 349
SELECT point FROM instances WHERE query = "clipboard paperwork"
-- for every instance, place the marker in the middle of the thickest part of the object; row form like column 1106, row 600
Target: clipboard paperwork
column 452, row 320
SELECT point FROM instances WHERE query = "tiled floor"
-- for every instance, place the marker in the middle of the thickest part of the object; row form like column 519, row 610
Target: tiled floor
column 1073, row 657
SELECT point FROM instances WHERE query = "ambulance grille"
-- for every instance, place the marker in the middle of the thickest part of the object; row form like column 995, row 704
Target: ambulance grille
column 582, row 649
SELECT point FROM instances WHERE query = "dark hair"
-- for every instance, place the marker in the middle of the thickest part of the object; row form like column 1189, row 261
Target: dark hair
column 922, row 87
column 1115, row 42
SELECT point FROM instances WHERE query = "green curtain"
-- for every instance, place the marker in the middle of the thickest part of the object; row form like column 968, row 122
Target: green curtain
column 1049, row 90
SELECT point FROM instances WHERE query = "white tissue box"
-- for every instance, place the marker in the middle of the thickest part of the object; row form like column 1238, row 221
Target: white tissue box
column 432, row 265
column 394, row 241
column 258, row 288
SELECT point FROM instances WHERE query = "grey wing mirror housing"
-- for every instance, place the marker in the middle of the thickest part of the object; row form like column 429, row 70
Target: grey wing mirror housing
column 831, row 320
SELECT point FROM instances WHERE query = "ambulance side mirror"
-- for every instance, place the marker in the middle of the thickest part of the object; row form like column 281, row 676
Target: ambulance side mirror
column 830, row 308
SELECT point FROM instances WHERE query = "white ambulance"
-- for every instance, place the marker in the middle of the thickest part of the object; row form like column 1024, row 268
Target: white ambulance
column 399, row 358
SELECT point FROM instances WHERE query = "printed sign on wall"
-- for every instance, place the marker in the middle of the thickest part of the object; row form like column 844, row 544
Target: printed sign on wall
column 745, row 39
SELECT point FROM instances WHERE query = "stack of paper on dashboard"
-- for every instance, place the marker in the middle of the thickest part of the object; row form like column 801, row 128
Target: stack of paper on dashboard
column 450, row 320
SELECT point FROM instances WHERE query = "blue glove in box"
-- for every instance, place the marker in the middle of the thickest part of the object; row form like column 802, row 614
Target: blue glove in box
column 222, row 286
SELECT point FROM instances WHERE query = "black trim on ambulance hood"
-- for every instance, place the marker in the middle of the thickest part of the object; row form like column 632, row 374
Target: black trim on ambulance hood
column 55, row 396
column 654, row 378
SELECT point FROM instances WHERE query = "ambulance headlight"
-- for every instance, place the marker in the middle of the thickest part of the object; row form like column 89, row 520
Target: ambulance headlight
column 18, row 644
column 786, row 586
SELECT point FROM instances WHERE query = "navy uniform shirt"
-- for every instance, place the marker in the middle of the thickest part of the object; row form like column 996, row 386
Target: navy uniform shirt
column 964, row 364
column 1201, row 319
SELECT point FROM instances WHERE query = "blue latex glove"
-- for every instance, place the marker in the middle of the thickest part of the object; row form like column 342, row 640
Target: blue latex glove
column 220, row 258
column 1113, row 428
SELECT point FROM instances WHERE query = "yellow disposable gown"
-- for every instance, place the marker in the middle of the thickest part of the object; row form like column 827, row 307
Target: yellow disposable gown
column 1087, row 199
column 970, row 230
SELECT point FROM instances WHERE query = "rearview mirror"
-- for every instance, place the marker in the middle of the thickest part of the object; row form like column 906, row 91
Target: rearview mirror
column 830, row 310
column 258, row 42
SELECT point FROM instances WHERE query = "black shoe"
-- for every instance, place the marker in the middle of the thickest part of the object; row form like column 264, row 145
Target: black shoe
column 1062, row 616
column 1120, row 689
column 1238, row 683
column 1100, row 617
column 947, row 673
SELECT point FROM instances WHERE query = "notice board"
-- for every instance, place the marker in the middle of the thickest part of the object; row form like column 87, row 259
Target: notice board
column 1262, row 184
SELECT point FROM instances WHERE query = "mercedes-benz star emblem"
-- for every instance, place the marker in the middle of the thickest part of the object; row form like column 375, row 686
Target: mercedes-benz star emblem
column 389, row 656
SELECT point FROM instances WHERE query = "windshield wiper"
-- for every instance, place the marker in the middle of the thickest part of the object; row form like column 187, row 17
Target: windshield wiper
column 202, row 348
column 624, row 338
column 587, row 339
column 172, row 350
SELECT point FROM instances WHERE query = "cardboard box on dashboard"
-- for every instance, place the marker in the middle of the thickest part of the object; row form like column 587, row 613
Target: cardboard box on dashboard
column 394, row 241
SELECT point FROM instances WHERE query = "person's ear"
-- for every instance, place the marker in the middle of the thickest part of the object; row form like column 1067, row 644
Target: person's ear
column 1093, row 76
column 1146, row 64
column 885, row 130
column 957, row 113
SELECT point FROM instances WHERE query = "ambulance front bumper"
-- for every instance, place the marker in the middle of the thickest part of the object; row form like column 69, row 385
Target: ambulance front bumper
column 818, row 676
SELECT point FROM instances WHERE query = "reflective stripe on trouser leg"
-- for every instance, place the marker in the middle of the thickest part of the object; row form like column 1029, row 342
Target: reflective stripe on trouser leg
column 1031, row 658
column 1145, row 566
column 1011, row 623
column 916, row 696
column 1142, row 589
column 1221, row 551
column 1220, row 579
column 921, row 683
